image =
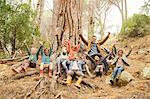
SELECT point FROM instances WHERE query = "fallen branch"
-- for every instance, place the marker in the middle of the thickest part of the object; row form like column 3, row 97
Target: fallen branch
column 13, row 59
column 41, row 94
column 22, row 75
column 10, row 59
column 87, row 82
column 58, row 94
column 34, row 88
column 23, row 58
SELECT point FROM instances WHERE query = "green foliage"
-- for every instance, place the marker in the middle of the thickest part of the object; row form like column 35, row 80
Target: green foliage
column 2, row 55
column 136, row 26
column 16, row 23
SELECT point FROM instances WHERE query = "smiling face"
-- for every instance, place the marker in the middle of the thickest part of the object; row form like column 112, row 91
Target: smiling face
column 120, row 53
column 46, row 51
column 64, row 49
column 33, row 51
column 93, row 39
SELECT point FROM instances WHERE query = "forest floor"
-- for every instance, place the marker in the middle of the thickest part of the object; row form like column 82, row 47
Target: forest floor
column 136, row 89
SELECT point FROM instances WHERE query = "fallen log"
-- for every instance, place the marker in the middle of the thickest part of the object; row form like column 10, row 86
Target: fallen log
column 10, row 59
column 34, row 88
column 13, row 59
column 22, row 75
column 23, row 58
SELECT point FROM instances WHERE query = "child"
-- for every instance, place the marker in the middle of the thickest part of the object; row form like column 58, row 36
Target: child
column 46, row 53
column 99, row 66
column 62, row 60
column 31, row 62
column 72, row 51
column 119, row 61
column 74, row 68
column 81, row 62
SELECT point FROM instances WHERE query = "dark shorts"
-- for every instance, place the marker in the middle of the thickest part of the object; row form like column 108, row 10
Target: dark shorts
column 32, row 64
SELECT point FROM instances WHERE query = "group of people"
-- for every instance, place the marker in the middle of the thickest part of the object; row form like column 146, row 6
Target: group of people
column 74, row 59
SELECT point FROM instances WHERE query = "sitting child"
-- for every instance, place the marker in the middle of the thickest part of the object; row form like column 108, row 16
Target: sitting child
column 62, row 60
column 72, row 50
column 81, row 62
column 119, row 61
column 31, row 62
column 99, row 66
column 46, row 53
column 74, row 68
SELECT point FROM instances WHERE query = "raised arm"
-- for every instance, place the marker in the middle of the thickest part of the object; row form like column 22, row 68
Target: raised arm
column 114, row 50
column 84, row 41
column 78, row 48
column 50, row 51
column 42, row 50
column 129, row 52
column 38, row 51
column 106, row 50
column 100, row 42
column 69, row 46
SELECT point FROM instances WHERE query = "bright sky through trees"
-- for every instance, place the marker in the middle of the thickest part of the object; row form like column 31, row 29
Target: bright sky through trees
column 114, row 17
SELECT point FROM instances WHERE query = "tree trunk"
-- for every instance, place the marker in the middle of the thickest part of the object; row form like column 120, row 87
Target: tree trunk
column 66, row 20
column 39, row 12
column 3, row 45
column 126, row 9
column 122, row 10
column 13, row 41
column 91, row 18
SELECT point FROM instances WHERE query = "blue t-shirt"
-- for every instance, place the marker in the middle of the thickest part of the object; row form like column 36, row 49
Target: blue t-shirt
column 94, row 49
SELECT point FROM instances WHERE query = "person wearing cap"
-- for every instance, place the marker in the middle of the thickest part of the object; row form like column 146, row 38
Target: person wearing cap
column 120, row 61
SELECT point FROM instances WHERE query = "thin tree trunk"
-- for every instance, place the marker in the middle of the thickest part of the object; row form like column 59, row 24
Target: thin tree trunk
column 122, row 10
column 126, row 10
column 13, row 41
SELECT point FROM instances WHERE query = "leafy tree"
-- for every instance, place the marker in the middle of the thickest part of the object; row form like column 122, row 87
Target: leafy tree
column 16, row 24
column 136, row 26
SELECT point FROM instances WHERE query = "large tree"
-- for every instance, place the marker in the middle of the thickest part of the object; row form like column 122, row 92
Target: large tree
column 67, row 20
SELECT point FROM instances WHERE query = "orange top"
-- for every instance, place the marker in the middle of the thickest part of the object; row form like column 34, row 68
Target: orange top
column 73, row 51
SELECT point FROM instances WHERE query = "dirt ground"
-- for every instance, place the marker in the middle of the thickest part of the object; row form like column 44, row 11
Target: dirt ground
column 136, row 89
